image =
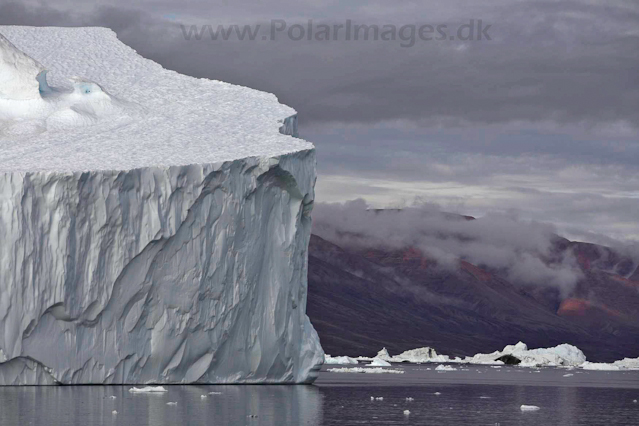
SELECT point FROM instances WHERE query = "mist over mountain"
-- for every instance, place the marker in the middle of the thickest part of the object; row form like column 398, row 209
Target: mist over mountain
column 418, row 276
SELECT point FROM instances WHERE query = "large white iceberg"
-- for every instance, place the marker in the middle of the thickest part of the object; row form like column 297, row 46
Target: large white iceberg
column 561, row 355
column 339, row 360
column 421, row 355
column 153, row 227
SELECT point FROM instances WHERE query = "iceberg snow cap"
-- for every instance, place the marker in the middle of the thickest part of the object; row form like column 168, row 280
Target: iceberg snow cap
column 28, row 105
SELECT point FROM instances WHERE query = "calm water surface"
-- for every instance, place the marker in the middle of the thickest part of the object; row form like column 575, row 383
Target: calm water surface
column 468, row 396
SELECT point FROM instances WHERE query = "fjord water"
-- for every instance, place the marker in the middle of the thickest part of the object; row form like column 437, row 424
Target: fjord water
column 471, row 395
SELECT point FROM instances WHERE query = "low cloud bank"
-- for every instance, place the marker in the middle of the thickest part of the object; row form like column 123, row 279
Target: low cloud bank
column 521, row 251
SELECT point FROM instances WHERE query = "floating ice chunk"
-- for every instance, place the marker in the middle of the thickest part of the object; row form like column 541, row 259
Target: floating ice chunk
column 203, row 396
column 112, row 397
column 414, row 356
column 406, row 412
column 529, row 408
column 215, row 393
column 339, row 360
column 114, row 412
column 601, row 366
column 561, row 355
column 443, row 367
column 171, row 403
column 410, row 399
column 380, row 398
column 373, row 370
column 568, row 375
column 378, row 362
column 372, row 398
column 484, row 397
column 420, row 355
column 437, row 393
column 624, row 364
column 148, row 389
column 383, row 354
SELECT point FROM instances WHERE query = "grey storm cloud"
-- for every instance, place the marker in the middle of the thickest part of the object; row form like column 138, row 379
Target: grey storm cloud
column 518, row 248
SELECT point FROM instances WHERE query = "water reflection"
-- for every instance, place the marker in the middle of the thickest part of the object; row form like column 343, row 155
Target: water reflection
column 93, row 405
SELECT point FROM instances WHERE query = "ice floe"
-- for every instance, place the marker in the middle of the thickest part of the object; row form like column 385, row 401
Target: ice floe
column 378, row 362
column 339, row 360
column 443, row 367
column 374, row 370
column 148, row 389
column 529, row 408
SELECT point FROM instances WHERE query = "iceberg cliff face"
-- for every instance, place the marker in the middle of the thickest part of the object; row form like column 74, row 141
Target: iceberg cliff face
column 135, row 270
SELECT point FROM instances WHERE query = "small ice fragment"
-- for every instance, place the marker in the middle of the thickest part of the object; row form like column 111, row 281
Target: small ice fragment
column 215, row 393
column 568, row 375
column 529, row 408
column 380, row 398
column 406, row 412
column 484, row 397
column 112, row 397
column 437, row 393
column 443, row 367
column 202, row 396
column 114, row 412
column 377, row 362
column 148, row 389
column 171, row 403
column 409, row 399
column 635, row 401
column 368, row 369
column 372, row 398
column 252, row 416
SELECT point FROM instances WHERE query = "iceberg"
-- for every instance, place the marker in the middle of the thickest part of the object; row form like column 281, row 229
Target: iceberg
column 624, row 364
column 374, row 370
column 561, row 355
column 421, row 355
column 529, row 408
column 153, row 227
column 383, row 355
column 414, row 356
column 148, row 389
column 443, row 367
column 332, row 360
column 378, row 362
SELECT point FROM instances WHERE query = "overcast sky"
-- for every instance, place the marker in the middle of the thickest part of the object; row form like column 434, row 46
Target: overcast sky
column 540, row 120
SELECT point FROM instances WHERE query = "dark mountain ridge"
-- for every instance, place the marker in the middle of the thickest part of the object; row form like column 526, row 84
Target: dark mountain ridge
column 364, row 298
